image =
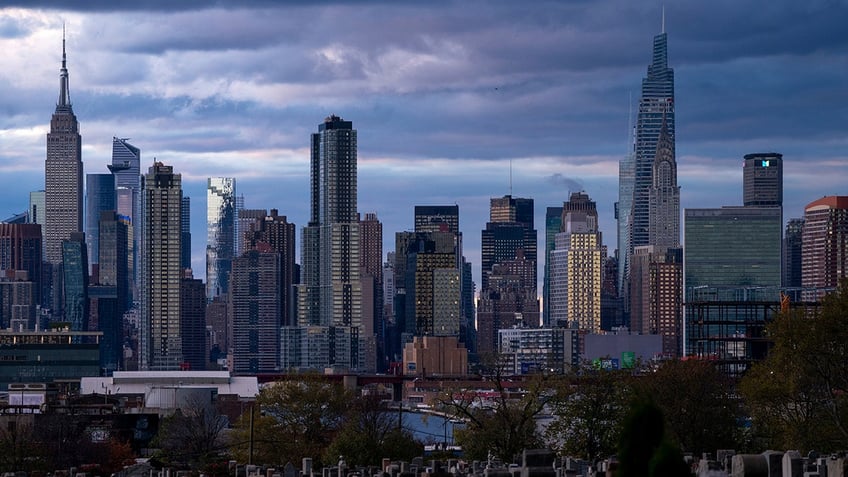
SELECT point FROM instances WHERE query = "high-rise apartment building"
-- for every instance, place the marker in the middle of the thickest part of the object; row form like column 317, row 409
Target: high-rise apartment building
column 255, row 310
column 274, row 232
column 508, row 302
column 160, row 337
column 656, row 108
column 657, row 282
column 824, row 249
column 577, row 266
column 371, row 276
column 762, row 179
column 99, row 197
column 185, row 233
column 220, row 233
column 20, row 249
column 63, row 190
column 330, row 292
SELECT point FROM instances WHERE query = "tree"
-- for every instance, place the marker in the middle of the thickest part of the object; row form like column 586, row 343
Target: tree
column 588, row 410
column 18, row 448
column 370, row 434
column 192, row 436
column 293, row 419
column 641, row 436
column 504, row 425
column 798, row 396
column 698, row 401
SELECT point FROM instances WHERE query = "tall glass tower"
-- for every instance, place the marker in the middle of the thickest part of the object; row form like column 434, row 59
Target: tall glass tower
column 126, row 167
column 220, row 234
column 99, row 197
column 656, row 110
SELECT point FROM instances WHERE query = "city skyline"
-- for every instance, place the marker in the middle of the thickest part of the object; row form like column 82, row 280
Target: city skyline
column 444, row 105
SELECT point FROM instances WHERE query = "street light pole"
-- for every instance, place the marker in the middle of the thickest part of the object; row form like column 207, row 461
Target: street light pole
column 250, row 449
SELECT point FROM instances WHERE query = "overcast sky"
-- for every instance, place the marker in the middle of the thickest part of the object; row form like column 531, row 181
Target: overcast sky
column 444, row 95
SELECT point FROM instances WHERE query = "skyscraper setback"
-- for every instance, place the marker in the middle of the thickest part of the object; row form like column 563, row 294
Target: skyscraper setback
column 330, row 293
column 63, row 192
column 655, row 120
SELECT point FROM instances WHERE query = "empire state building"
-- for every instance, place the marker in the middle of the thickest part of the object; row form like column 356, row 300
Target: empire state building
column 62, row 173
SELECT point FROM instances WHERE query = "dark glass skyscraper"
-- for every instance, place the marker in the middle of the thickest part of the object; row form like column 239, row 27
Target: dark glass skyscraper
column 75, row 268
column 99, row 197
column 656, row 110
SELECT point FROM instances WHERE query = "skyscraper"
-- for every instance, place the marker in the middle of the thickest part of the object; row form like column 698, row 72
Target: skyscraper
column 126, row 167
column 276, row 232
column 20, row 249
column 656, row 111
column 509, row 229
column 193, row 322
column 792, row 243
column 114, row 244
column 63, row 173
column 553, row 224
column 732, row 247
column 330, row 292
column 255, row 311
column 160, row 338
column 762, row 179
column 75, row 269
column 220, row 233
column 579, row 216
column 99, row 197
column 185, row 231
column 664, row 195
column 824, row 249
column 437, row 218
column 371, row 275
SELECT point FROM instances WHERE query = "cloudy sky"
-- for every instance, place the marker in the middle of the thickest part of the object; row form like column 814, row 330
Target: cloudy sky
column 445, row 95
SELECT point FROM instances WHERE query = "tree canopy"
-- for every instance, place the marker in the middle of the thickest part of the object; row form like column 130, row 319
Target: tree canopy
column 798, row 396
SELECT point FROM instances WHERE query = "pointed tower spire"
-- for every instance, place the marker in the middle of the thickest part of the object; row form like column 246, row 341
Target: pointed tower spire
column 64, row 90
column 663, row 19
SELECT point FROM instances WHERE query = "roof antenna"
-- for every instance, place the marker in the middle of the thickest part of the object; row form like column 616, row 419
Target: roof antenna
column 510, row 176
column 663, row 18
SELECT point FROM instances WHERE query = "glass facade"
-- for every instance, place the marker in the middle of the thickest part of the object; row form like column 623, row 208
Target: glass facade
column 220, row 234
column 99, row 197
column 732, row 246
column 75, row 268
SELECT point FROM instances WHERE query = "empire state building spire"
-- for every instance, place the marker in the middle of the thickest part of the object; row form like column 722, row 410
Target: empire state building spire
column 64, row 103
